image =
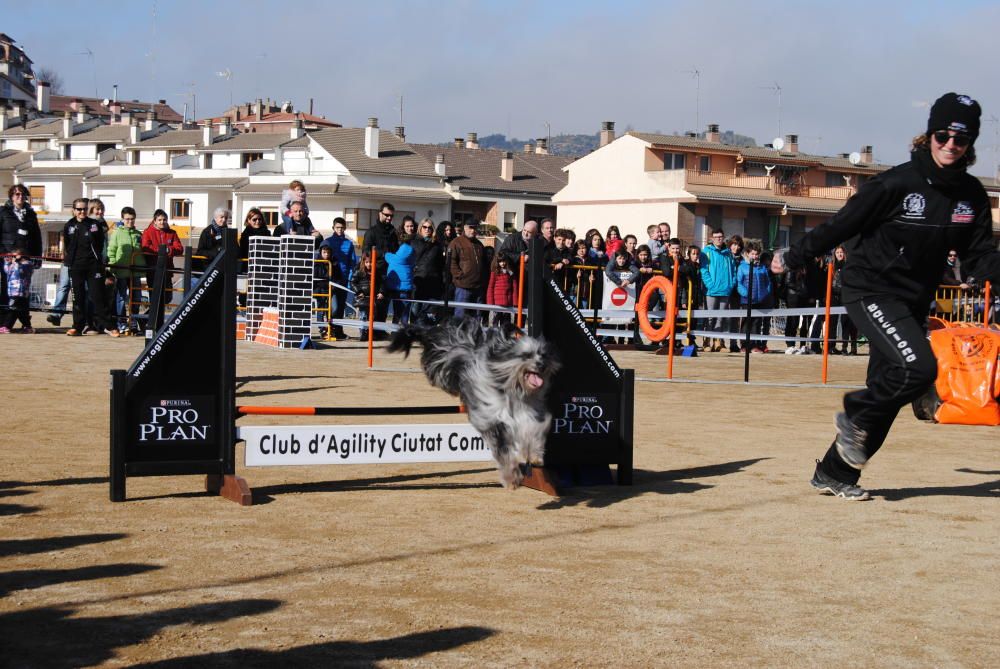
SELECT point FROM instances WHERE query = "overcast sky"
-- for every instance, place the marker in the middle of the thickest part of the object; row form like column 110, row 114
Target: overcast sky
column 850, row 73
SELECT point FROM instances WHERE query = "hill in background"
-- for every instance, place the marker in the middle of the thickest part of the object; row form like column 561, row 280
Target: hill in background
column 581, row 145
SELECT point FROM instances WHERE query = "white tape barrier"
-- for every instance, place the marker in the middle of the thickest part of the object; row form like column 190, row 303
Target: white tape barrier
column 270, row 446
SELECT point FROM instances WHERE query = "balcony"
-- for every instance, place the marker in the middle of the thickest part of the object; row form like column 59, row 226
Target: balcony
column 761, row 182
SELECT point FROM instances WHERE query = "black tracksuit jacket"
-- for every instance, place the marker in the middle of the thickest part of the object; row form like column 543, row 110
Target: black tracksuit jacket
column 897, row 230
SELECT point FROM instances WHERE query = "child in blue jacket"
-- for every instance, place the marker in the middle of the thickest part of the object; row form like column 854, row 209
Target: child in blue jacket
column 753, row 283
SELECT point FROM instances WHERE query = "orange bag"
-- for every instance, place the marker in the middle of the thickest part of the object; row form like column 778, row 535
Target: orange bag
column 968, row 382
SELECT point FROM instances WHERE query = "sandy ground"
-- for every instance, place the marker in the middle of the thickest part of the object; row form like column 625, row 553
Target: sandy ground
column 719, row 555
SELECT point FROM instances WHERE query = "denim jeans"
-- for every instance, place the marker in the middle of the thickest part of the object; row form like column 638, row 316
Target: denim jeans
column 466, row 295
column 62, row 293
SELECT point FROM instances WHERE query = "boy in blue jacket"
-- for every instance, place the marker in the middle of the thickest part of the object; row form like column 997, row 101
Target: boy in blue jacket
column 753, row 283
column 717, row 270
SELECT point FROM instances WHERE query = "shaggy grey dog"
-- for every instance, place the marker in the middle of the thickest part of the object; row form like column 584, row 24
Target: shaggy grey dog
column 501, row 379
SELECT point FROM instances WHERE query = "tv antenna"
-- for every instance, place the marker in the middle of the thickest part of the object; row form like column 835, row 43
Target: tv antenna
column 777, row 89
column 227, row 74
column 93, row 64
column 256, row 73
column 548, row 134
column 400, row 98
column 696, row 75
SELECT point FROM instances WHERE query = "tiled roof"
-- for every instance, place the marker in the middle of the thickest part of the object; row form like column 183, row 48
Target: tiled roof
column 40, row 127
column 684, row 142
column 757, row 196
column 173, row 139
column 95, row 107
column 103, row 133
column 10, row 158
column 388, row 193
column 204, row 182
column 55, row 170
column 299, row 143
column 394, row 157
column 250, row 142
column 479, row 169
column 127, row 178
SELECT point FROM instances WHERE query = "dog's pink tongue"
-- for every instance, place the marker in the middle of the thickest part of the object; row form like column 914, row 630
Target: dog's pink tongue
column 534, row 380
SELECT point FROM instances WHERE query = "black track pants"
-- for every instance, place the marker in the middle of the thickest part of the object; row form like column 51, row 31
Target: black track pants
column 901, row 366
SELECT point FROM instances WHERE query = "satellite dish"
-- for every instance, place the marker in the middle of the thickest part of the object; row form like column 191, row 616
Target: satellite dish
column 105, row 102
column 854, row 158
column 778, row 144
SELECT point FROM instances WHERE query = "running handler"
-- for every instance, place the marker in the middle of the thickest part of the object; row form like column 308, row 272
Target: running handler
column 897, row 230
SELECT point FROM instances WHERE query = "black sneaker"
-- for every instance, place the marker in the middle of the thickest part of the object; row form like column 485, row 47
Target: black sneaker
column 55, row 320
column 828, row 484
column 851, row 442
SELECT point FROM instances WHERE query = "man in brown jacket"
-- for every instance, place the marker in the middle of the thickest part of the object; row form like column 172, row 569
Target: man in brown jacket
column 466, row 257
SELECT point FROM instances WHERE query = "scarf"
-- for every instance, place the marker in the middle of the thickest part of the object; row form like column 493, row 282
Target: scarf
column 939, row 177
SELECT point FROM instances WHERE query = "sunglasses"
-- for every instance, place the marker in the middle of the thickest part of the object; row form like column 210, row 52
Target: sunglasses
column 942, row 137
column 387, row 215
column 426, row 227
column 79, row 209
column 952, row 255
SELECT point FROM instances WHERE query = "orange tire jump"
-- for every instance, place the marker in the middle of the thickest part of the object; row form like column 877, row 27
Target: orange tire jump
column 666, row 329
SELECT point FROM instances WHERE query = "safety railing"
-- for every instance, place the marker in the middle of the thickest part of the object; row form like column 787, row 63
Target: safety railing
column 969, row 304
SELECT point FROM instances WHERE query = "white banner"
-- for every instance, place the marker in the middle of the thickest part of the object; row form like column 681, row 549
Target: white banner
column 270, row 445
column 616, row 297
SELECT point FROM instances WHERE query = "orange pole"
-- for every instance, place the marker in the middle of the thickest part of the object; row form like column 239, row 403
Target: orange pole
column 371, row 309
column 673, row 322
column 520, row 293
column 987, row 298
column 826, row 329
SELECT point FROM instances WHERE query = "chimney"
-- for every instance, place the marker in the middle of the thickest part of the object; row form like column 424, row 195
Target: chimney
column 17, row 109
column 206, row 133
column 691, row 135
column 867, row 155
column 607, row 132
column 459, row 143
column 75, row 104
column 472, row 140
column 116, row 112
column 542, row 148
column 134, row 134
column 792, row 143
column 713, row 133
column 439, row 167
column 150, row 120
column 237, row 113
column 529, row 147
column 43, row 96
column 224, row 127
column 81, row 113
column 4, row 124
column 507, row 166
column 161, row 102
column 260, row 109
column 297, row 130
column 400, row 131
column 67, row 124
column 371, row 138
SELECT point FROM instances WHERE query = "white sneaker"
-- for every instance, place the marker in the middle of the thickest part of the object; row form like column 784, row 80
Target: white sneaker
column 805, row 350
column 791, row 351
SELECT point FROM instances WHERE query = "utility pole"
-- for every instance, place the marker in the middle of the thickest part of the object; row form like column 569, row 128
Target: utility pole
column 777, row 89
column 696, row 75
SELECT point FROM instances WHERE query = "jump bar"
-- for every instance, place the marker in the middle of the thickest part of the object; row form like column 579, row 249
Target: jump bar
column 346, row 411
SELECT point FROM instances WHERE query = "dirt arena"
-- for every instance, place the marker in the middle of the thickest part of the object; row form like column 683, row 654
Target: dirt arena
column 719, row 555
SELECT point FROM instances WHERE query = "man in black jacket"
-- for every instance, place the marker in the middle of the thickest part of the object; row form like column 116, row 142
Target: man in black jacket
column 898, row 229
column 83, row 243
column 383, row 238
column 299, row 224
column 516, row 244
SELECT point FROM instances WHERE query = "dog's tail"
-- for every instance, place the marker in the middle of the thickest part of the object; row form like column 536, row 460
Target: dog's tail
column 403, row 338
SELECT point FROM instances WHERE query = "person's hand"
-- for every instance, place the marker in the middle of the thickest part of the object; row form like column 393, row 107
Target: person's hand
column 964, row 286
column 315, row 233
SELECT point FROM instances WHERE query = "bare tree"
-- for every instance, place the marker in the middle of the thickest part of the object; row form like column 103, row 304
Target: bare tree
column 54, row 79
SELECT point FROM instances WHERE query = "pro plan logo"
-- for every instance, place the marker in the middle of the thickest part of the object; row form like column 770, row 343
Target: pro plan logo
column 914, row 205
column 965, row 100
column 963, row 213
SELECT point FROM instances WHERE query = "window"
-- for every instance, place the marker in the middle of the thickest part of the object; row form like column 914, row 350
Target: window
column 704, row 163
column 673, row 161
column 180, row 209
column 53, row 239
column 37, row 196
column 783, row 239
column 733, row 226
column 38, row 144
column 509, row 221
column 459, row 218
column 836, row 179
column 104, row 147
column 247, row 158
column 208, row 161
column 270, row 217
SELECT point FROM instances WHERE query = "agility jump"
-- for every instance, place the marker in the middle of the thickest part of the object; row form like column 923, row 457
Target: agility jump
column 165, row 421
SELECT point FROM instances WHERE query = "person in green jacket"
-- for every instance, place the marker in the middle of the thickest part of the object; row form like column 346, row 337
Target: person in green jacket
column 125, row 252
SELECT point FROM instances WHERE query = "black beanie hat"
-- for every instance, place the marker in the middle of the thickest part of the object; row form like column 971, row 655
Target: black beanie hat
column 955, row 112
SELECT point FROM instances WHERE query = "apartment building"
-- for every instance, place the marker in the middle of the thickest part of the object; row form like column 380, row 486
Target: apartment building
column 501, row 188
column 697, row 184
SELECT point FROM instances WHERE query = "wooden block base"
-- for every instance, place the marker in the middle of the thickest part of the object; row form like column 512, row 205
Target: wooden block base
column 542, row 480
column 231, row 487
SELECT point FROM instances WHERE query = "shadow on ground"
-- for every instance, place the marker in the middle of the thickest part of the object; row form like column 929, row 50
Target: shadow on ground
column 359, row 654
column 984, row 489
column 673, row 482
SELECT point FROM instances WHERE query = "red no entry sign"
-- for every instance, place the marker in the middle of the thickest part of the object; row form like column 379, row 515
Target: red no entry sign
column 619, row 296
